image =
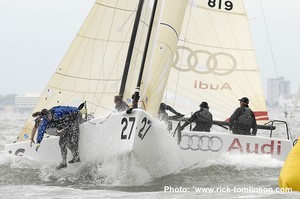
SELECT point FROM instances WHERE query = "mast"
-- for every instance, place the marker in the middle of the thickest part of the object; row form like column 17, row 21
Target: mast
column 136, row 95
column 131, row 45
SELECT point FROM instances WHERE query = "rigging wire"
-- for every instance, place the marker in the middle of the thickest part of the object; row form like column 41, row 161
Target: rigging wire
column 270, row 46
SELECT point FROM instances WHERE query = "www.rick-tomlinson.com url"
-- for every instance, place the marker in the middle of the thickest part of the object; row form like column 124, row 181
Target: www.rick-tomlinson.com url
column 226, row 189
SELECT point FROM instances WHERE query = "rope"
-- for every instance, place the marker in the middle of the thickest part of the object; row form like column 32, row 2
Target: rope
column 97, row 124
column 270, row 46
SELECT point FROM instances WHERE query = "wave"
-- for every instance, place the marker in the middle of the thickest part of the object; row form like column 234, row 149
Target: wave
column 245, row 161
column 113, row 172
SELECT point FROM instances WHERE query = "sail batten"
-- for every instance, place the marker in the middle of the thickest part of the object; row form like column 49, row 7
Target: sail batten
column 217, row 47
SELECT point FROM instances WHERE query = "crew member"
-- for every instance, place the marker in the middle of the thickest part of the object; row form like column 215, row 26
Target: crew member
column 66, row 119
column 243, row 119
column 203, row 119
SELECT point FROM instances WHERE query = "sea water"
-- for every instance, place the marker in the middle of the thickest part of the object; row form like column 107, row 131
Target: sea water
column 230, row 176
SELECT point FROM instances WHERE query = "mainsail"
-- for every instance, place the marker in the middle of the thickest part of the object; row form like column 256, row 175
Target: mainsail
column 215, row 61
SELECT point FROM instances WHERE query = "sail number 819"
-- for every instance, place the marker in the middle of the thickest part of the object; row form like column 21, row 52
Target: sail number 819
column 213, row 3
column 146, row 124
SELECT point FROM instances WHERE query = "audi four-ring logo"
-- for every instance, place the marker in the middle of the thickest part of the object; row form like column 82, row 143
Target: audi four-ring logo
column 203, row 143
column 211, row 65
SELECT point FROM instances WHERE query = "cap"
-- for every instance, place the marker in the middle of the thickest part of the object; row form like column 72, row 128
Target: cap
column 204, row 105
column 244, row 99
column 118, row 97
column 44, row 112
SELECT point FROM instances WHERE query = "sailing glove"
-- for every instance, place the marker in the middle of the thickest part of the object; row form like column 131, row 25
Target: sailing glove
column 179, row 115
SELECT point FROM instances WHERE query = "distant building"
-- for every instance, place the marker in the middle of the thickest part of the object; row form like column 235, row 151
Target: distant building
column 27, row 102
column 278, row 90
column 296, row 103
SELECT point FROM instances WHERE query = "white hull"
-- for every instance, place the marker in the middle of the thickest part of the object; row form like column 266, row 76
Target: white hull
column 148, row 141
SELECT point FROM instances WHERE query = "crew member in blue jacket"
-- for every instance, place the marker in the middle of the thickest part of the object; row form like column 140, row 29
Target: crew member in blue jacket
column 66, row 119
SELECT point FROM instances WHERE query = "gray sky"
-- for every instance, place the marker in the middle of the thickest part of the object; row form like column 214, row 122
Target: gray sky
column 35, row 34
column 283, row 25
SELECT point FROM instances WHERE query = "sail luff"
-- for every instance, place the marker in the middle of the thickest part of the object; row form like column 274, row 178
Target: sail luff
column 164, row 49
column 136, row 95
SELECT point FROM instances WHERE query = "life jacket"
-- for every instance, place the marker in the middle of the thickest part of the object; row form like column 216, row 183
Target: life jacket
column 246, row 117
column 204, row 116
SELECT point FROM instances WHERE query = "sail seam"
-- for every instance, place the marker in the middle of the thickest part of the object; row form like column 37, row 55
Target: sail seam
column 96, row 39
column 78, row 91
column 244, row 49
column 95, row 79
column 225, row 12
column 115, row 8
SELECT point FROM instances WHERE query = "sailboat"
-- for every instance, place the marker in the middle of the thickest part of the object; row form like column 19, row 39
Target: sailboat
column 178, row 52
